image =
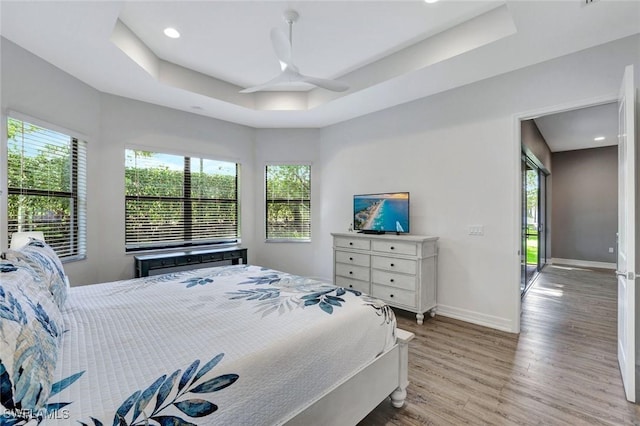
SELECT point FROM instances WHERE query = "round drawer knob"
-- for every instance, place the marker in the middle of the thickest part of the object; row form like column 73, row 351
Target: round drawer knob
column 163, row 263
column 350, row 272
column 393, row 248
column 351, row 258
column 350, row 285
column 392, row 265
column 350, row 244
column 188, row 259
column 392, row 280
column 391, row 295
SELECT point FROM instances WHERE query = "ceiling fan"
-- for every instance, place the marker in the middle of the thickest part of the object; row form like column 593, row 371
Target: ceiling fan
column 290, row 72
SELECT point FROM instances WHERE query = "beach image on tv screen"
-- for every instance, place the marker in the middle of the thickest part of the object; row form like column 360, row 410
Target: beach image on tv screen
column 381, row 212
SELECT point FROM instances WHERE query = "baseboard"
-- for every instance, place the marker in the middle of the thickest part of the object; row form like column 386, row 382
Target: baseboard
column 478, row 318
column 583, row 263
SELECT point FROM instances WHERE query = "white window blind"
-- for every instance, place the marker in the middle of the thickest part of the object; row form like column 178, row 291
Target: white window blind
column 288, row 202
column 46, row 183
column 178, row 201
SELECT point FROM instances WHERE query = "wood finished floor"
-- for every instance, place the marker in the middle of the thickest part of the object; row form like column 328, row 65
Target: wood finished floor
column 561, row 369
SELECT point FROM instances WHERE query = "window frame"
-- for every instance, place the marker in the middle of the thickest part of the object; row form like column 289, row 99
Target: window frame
column 268, row 239
column 184, row 245
column 78, row 191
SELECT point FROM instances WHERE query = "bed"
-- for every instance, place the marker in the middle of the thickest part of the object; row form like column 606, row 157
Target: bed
column 234, row 344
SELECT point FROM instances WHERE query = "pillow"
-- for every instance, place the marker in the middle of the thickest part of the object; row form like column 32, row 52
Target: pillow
column 31, row 327
column 41, row 257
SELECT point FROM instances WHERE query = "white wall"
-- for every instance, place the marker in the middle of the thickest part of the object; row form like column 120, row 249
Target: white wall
column 457, row 154
column 286, row 146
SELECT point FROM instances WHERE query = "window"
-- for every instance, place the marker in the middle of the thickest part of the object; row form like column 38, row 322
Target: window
column 178, row 201
column 288, row 202
column 46, row 183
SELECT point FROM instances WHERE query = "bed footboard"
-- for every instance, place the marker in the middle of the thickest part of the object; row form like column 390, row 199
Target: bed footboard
column 353, row 399
column 400, row 393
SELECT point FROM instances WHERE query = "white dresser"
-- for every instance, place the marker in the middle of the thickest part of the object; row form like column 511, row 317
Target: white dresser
column 399, row 269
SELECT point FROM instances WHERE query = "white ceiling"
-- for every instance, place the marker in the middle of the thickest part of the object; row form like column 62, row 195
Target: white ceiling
column 390, row 52
column 577, row 129
column 230, row 40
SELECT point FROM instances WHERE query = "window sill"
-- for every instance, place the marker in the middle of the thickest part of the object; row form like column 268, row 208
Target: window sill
column 184, row 248
column 286, row 240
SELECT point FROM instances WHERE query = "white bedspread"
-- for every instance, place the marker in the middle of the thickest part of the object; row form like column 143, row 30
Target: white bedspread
column 268, row 343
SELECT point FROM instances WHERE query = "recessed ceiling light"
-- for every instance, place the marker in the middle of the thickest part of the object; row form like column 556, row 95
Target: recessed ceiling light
column 599, row 138
column 430, row 1
column 171, row 32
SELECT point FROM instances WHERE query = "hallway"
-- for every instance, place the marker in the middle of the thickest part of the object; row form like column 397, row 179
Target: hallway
column 561, row 369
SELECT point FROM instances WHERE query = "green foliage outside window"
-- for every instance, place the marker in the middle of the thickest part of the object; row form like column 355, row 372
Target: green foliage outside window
column 43, row 169
column 288, row 202
column 173, row 200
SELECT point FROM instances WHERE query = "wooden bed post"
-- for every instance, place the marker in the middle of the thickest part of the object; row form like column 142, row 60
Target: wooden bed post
column 398, row 396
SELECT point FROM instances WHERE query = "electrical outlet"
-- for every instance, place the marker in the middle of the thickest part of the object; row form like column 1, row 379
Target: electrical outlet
column 610, row 249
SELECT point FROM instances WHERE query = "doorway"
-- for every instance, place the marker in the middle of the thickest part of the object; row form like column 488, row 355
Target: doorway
column 603, row 126
column 533, row 253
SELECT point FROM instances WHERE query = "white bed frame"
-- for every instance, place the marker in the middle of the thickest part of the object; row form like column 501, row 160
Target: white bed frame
column 351, row 400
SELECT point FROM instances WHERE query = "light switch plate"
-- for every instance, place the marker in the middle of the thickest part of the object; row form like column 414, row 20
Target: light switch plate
column 476, row 230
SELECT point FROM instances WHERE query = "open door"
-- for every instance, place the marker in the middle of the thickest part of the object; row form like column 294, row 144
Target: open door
column 625, row 270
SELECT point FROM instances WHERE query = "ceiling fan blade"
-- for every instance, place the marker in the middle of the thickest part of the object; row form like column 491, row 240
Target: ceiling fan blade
column 281, row 46
column 290, row 73
column 284, row 77
column 333, row 85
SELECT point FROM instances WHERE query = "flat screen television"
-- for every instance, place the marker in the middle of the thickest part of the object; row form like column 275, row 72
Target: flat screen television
column 380, row 213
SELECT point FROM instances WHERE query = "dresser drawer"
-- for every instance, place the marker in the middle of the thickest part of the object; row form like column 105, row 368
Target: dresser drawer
column 162, row 263
column 352, row 258
column 407, row 282
column 396, row 247
column 212, row 257
column 394, row 295
column 392, row 264
column 231, row 255
column 188, row 260
column 354, row 243
column 352, row 271
column 362, row 286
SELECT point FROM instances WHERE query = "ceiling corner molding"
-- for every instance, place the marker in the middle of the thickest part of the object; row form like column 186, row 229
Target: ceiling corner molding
column 180, row 77
column 196, row 82
column 134, row 48
column 469, row 35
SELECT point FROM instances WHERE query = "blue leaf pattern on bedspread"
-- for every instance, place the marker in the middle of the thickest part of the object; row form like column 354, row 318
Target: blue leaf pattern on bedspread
column 172, row 397
column 256, row 294
column 197, row 281
column 10, row 308
column 263, row 279
column 326, row 301
column 287, row 292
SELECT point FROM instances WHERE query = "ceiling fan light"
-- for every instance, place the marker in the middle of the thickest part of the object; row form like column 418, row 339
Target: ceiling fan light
column 171, row 32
